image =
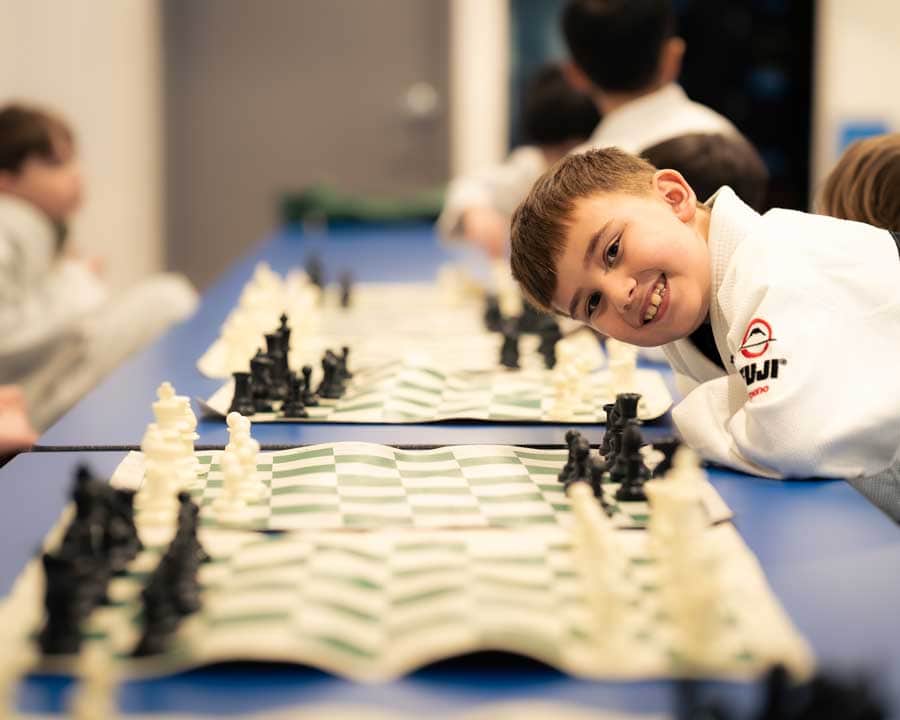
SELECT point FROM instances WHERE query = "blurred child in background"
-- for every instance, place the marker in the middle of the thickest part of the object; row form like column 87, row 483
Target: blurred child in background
column 61, row 331
column 555, row 118
column 865, row 183
column 709, row 161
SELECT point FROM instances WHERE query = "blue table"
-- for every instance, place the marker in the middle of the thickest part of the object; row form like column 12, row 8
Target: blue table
column 115, row 414
column 829, row 555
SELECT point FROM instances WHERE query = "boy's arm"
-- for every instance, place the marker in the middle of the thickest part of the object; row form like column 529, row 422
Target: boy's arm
column 812, row 390
column 493, row 194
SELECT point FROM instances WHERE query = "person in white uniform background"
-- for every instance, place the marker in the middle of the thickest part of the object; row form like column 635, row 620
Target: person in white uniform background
column 626, row 57
column 555, row 117
column 61, row 330
column 781, row 328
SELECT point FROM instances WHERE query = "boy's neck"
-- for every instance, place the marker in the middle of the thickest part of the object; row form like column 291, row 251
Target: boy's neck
column 701, row 222
column 608, row 101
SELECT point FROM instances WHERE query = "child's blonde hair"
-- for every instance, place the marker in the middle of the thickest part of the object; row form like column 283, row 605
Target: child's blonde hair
column 865, row 183
column 539, row 224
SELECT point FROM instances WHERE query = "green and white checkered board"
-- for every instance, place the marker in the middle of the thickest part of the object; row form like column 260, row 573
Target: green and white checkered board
column 374, row 606
column 404, row 393
column 357, row 485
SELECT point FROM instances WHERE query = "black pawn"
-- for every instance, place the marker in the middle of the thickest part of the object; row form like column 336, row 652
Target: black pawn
column 630, row 470
column 565, row 475
column 293, row 407
column 242, row 402
column 346, row 282
column 315, row 271
column 331, row 386
column 343, row 371
column 509, row 351
column 550, row 334
column 309, row 397
column 493, row 318
column 610, row 411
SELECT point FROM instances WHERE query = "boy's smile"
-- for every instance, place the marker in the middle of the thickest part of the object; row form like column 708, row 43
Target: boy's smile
column 637, row 268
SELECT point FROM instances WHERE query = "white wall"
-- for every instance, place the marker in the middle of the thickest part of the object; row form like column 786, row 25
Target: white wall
column 479, row 83
column 98, row 63
column 856, row 62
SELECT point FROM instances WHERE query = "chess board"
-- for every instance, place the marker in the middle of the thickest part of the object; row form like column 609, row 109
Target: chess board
column 374, row 606
column 379, row 327
column 365, row 486
column 410, row 393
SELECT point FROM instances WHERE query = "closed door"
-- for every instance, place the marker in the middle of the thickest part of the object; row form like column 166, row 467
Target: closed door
column 264, row 97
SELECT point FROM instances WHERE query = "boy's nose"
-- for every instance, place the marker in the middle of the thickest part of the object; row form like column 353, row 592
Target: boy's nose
column 623, row 296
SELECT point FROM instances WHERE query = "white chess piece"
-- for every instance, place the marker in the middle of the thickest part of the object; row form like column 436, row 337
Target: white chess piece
column 622, row 366
column 230, row 507
column 156, row 500
column 95, row 695
column 239, row 429
column 601, row 562
column 251, row 488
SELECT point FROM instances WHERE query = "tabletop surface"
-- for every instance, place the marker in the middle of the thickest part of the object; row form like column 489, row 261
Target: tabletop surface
column 828, row 555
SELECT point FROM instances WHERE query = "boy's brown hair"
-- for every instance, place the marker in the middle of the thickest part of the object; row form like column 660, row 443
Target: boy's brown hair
column 864, row 184
column 27, row 131
column 539, row 224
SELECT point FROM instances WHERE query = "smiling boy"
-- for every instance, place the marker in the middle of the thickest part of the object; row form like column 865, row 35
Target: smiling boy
column 780, row 328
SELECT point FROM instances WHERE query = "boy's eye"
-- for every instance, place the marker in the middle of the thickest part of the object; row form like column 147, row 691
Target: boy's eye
column 592, row 302
column 612, row 252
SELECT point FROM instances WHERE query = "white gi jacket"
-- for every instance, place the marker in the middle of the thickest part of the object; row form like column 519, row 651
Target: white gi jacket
column 805, row 311
column 635, row 126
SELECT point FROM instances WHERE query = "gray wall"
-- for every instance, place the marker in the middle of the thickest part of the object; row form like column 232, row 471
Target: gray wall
column 268, row 95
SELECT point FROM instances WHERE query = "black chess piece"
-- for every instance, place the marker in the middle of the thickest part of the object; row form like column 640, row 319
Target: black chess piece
column 509, row 351
column 309, row 397
column 121, row 541
column 83, row 538
column 315, row 271
column 61, row 633
column 293, row 406
column 242, row 401
column 629, row 469
column 625, row 409
column 550, row 334
column 343, row 369
column 261, row 382
column 331, row 386
column 346, row 283
column 565, row 475
column 493, row 318
column 278, row 388
column 530, row 319
column 609, row 409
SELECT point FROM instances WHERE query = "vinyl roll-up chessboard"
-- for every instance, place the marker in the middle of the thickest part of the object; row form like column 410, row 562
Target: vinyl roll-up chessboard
column 355, row 485
column 410, row 393
column 395, row 559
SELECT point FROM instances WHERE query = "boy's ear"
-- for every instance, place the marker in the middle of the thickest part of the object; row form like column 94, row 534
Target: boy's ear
column 675, row 191
column 6, row 180
column 577, row 78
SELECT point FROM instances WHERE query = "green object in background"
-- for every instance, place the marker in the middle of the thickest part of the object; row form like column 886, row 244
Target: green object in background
column 321, row 203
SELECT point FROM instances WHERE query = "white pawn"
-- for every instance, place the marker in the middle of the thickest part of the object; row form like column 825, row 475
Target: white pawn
column 239, row 428
column 250, row 488
column 622, row 366
column 95, row 694
column 230, row 507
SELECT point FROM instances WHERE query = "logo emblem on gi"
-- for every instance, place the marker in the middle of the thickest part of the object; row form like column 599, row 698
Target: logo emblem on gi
column 756, row 339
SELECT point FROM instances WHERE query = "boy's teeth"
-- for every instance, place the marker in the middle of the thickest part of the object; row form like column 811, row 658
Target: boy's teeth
column 655, row 299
